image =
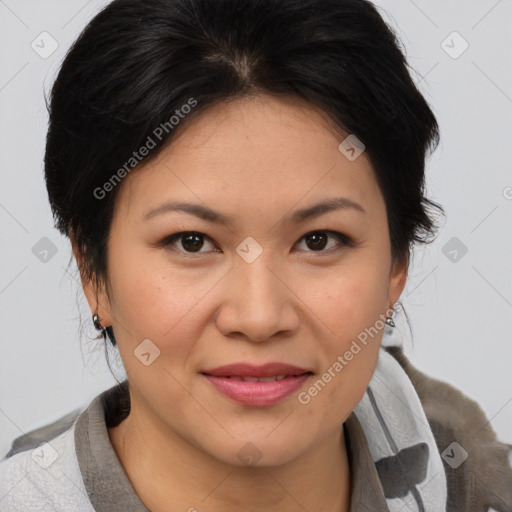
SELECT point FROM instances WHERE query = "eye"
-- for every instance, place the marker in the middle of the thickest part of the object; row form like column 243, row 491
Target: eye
column 191, row 241
column 317, row 241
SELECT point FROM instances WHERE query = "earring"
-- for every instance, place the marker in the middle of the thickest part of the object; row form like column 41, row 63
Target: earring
column 105, row 331
column 389, row 320
column 99, row 327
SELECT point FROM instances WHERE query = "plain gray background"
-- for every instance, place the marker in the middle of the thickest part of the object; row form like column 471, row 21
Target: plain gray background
column 460, row 305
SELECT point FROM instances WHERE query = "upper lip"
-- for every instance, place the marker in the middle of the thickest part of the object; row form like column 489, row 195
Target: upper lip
column 249, row 370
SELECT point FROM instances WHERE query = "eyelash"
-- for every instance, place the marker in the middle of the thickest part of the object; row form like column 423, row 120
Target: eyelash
column 344, row 239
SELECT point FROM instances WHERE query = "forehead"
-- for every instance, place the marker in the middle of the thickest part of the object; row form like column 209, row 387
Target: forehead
column 248, row 153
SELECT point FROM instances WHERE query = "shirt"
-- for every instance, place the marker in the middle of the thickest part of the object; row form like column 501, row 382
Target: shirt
column 79, row 469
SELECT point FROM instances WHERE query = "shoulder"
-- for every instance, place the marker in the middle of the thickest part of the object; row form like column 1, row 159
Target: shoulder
column 43, row 477
column 466, row 442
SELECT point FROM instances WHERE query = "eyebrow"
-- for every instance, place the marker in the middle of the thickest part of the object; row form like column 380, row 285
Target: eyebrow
column 207, row 214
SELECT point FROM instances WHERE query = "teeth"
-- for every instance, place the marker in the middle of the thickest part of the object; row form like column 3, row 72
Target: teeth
column 259, row 379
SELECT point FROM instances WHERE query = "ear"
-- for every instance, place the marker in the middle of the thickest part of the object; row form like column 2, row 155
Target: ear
column 397, row 280
column 97, row 298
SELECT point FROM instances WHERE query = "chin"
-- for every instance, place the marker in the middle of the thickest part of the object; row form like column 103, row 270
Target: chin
column 250, row 452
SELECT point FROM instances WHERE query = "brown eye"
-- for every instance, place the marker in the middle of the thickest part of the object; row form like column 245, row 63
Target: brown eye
column 191, row 242
column 317, row 241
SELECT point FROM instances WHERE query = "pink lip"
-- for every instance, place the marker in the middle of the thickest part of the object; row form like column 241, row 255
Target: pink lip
column 258, row 394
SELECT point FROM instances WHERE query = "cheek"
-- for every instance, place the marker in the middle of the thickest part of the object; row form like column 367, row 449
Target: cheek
column 157, row 301
column 349, row 312
column 348, row 300
column 149, row 293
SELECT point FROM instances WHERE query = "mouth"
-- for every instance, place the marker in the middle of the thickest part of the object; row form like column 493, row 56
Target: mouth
column 257, row 386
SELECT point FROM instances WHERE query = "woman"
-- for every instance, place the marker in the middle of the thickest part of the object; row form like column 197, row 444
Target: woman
column 242, row 183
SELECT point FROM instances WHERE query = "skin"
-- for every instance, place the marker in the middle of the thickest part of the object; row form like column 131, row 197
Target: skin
column 255, row 160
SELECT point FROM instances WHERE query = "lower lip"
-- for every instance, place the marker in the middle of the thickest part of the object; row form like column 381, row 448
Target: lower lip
column 258, row 394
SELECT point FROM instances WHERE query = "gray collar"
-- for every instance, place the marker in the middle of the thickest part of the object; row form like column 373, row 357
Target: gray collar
column 110, row 490
column 366, row 488
column 105, row 480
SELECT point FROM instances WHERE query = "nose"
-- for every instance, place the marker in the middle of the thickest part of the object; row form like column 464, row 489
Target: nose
column 257, row 303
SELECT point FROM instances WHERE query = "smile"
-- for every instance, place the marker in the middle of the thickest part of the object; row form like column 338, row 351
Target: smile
column 258, row 391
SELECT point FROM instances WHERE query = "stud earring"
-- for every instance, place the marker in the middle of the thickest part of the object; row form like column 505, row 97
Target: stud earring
column 105, row 331
column 99, row 327
column 389, row 319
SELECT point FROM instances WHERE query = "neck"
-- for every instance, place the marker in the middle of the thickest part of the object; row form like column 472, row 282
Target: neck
column 165, row 469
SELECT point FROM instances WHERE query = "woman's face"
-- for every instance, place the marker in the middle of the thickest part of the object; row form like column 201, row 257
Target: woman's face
column 253, row 289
